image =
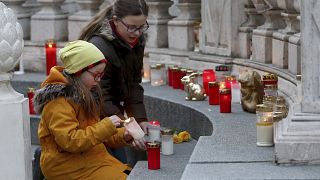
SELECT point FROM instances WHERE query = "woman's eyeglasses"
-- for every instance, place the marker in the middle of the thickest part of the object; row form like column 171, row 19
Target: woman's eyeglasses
column 96, row 75
column 133, row 28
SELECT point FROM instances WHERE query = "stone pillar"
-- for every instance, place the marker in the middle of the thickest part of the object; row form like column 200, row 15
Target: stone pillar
column 297, row 138
column 15, row 151
column 158, row 20
column 181, row 29
column 280, row 39
column 253, row 20
column 50, row 22
column 220, row 21
column 294, row 54
column 262, row 36
column 22, row 14
column 32, row 6
column 88, row 8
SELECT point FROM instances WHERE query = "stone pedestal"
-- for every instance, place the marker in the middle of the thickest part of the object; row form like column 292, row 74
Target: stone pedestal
column 262, row 46
column 297, row 138
column 280, row 50
column 158, row 21
column 181, row 29
column 221, row 20
column 50, row 22
column 88, row 8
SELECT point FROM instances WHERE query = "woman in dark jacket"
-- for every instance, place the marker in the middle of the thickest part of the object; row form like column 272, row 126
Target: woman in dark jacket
column 118, row 31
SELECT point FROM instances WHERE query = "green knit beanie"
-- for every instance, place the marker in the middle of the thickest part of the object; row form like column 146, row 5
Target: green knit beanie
column 77, row 55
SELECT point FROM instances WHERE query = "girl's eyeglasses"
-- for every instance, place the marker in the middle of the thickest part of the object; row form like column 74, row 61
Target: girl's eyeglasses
column 133, row 28
column 96, row 75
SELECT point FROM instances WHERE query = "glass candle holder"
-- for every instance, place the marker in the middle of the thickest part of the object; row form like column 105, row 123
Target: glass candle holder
column 169, row 70
column 235, row 91
column 167, row 141
column 176, row 80
column 30, row 94
column 271, row 90
column 208, row 75
column 269, row 79
column 156, row 75
column 264, row 125
column 228, row 81
column 51, row 54
column 153, row 151
column 133, row 127
column 221, row 72
column 163, row 73
column 154, row 131
column 213, row 93
column 225, row 101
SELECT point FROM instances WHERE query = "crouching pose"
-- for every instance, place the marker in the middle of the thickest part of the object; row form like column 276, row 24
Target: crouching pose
column 73, row 138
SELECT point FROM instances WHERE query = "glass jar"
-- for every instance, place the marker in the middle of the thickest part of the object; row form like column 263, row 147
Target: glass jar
column 156, row 75
column 270, row 79
column 221, row 72
column 264, row 125
column 153, row 151
column 271, row 90
column 154, row 131
column 176, row 80
column 213, row 93
column 167, row 141
column 225, row 100
column 208, row 75
column 163, row 73
column 30, row 94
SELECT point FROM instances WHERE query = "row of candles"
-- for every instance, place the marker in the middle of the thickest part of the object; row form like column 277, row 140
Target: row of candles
column 272, row 110
column 220, row 88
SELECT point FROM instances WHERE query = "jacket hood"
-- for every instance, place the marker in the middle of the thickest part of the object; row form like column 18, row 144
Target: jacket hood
column 54, row 86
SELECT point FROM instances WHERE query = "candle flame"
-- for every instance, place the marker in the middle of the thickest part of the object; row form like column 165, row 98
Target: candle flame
column 50, row 45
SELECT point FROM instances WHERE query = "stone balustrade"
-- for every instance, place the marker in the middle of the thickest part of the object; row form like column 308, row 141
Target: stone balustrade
column 262, row 35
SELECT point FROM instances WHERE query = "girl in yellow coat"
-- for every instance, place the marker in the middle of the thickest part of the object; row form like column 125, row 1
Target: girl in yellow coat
column 73, row 138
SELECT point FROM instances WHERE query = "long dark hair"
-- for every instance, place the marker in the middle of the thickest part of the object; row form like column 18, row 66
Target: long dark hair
column 91, row 100
column 119, row 8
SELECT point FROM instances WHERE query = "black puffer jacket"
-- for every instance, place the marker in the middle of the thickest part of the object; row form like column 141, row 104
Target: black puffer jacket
column 121, row 82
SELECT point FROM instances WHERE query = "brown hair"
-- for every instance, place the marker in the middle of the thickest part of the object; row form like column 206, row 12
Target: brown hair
column 91, row 100
column 119, row 8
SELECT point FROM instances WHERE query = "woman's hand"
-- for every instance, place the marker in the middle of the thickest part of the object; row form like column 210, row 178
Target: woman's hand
column 115, row 120
column 127, row 137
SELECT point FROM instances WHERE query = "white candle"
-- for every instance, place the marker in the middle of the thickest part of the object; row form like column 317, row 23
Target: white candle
column 167, row 145
column 154, row 131
column 265, row 134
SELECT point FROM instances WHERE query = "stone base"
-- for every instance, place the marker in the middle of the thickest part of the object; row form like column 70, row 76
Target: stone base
column 262, row 46
column 75, row 26
column 245, row 43
column 16, row 162
column 294, row 55
column 181, row 35
column 157, row 34
column 280, row 50
column 52, row 27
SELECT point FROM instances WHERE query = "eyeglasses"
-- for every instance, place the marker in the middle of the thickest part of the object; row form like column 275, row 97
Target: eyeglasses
column 97, row 75
column 133, row 28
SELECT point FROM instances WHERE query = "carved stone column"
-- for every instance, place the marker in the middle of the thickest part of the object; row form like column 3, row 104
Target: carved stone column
column 294, row 55
column 50, row 22
column 88, row 8
column 158, row 20
column 22, row 14
column 262, row 36
column 253, row 20
column 15, row 140
column 220, row 21
column 297, row 138
column 181, row 28
column 281, row 37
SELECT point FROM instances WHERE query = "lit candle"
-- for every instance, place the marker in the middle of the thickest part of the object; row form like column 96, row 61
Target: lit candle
column 167, row 141
column 153, row 149
column 154, row 131
column 51, row 54
column 264, row 125
column 221, row 72
column 225, row 100
column 146, row 72
column 163, row 73
column 208, row 75
column 213, row 93
column 30, row 96
column 170, row 74
column 176, row 80
column 228, row 81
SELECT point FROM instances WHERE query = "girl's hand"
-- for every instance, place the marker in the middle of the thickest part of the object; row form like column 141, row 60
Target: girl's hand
column 127, row 137
column 115, row 120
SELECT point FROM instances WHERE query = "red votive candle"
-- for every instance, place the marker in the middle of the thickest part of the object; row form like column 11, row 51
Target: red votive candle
column 208, row 75
column 170, row 75
column 153, row 150
column 51, row 54
column 225, row 100
column 213, row 93
column 183, row 72
column 30, row 94
column 228, row 81
column 176, row 80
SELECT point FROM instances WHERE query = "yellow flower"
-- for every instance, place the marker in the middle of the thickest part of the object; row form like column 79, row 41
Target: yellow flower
column 177, row 139
column 185, row 136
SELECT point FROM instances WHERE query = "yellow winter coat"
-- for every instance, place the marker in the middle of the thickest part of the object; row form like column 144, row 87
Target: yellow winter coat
column 73, row 147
